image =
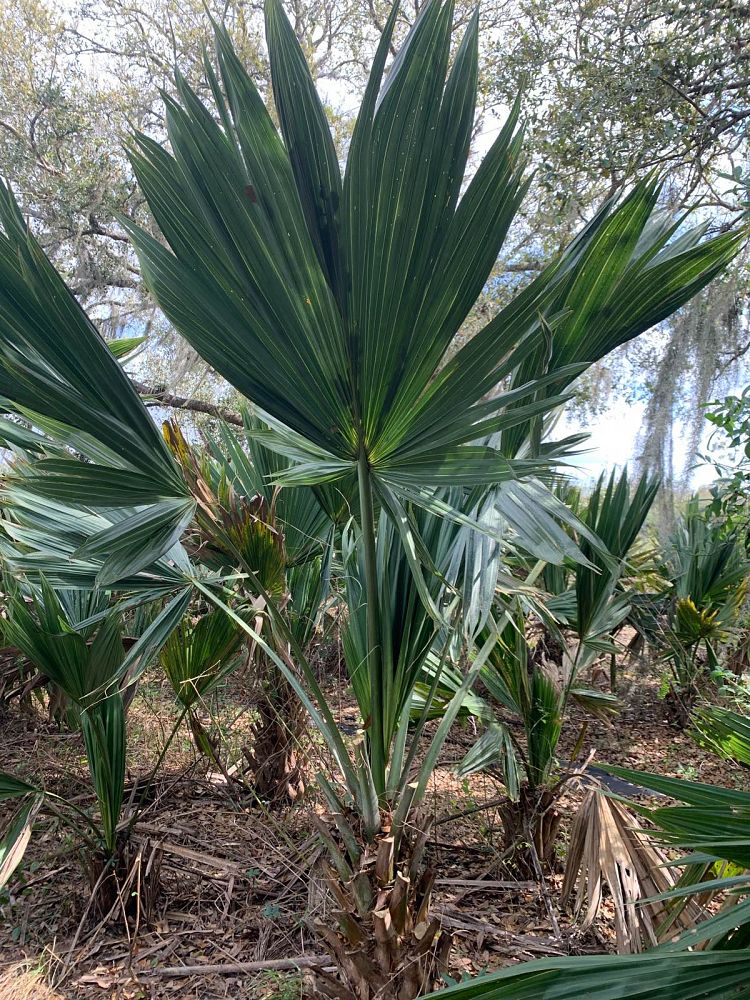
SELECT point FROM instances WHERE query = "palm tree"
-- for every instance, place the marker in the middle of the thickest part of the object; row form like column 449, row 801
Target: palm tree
column 330, row 302
column 81, row 663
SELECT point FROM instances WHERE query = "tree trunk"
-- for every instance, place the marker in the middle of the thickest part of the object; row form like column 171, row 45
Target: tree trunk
column 274, row 757
column 385, row 942
column 530, row 828
column 679, row 704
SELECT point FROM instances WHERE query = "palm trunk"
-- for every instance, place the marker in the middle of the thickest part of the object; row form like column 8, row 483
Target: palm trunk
column 125, row 886
column 385, row 941
column 375, row 734
column 274, row 758
column 530, row 828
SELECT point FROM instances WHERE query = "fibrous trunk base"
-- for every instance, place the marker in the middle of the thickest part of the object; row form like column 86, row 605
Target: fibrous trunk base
column 530, row 829
column 679, row 704
column 386, row 942
column 274, row 758
column 126, row 887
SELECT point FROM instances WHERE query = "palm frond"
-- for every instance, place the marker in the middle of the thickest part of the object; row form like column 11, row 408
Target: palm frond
column 724, row 732
column 198, row 655
column 608, row 848
column 690, row 976
column 54, row 362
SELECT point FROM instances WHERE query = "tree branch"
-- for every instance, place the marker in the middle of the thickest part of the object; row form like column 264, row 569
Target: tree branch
column 524, row 266
column 97, row 229
column 159, row 396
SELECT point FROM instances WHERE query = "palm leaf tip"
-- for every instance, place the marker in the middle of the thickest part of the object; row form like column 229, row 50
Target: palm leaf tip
column 308, row 140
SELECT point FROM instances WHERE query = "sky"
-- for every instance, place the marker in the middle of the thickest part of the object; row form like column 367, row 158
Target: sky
column 614, row 441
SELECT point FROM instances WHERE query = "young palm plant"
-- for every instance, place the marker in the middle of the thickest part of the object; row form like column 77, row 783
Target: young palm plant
column 331, row 304
column 597, row 604
column 283, row 539
column 707, row 571
column 304, row 518
column 535, row 676
column 196, row 657
column 83, row 664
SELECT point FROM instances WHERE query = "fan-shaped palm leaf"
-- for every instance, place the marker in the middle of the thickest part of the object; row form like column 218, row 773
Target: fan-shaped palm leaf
column 198, row 655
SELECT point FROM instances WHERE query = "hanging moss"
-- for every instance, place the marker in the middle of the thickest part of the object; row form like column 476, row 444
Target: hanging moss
column 704, row 354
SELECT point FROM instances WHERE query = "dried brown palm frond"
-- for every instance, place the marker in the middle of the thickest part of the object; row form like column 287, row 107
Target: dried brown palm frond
column 609, row 847
column 21, row 982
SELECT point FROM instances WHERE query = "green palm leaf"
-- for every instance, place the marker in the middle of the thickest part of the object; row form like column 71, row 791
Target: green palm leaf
column 307, row 136
column 725, row 732
column 616, row 518
column 370, row 278
column 198, row 655
column 698, row 976
column 331, row 303
column 54, row 361
column 16, row 838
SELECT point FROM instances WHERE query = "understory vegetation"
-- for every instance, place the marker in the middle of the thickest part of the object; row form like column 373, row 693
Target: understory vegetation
column 337, row 620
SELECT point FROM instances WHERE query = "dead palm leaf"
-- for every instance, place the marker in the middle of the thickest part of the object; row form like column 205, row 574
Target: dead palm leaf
column 609, row 848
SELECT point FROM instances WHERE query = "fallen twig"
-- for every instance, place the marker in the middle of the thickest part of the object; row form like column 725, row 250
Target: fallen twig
column 546, row 946
column 235, row 968
column 482, row 883
column 489, row 804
